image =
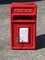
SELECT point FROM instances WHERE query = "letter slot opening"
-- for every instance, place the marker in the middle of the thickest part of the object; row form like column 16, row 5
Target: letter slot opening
column 23, row 17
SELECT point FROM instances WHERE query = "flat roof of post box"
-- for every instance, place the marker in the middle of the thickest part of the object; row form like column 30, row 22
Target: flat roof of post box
column 24, row 4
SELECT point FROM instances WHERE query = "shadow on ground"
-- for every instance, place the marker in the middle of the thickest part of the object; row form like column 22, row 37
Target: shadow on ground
column 40, row 41
column 10, row 1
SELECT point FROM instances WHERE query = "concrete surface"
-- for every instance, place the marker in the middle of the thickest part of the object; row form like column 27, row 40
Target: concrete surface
column 5, row 52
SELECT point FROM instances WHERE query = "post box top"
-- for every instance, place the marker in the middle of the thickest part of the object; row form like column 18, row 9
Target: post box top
column 23, row 4
column 23, row 9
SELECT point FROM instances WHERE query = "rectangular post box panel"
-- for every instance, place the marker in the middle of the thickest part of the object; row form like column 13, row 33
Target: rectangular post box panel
column 23, row 34
column 23, row 25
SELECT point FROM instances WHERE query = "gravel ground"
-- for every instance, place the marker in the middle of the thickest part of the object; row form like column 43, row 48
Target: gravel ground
column 5, row 52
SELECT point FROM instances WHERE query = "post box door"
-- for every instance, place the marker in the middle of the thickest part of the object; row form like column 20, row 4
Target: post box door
column 23, row 35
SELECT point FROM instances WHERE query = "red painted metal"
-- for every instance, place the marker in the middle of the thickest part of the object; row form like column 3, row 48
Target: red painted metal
column 18, row 14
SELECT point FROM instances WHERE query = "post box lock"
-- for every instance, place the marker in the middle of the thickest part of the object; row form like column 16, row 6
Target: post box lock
column 23, row 25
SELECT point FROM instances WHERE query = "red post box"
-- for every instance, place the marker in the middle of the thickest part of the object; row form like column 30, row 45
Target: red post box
column 23, row 25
